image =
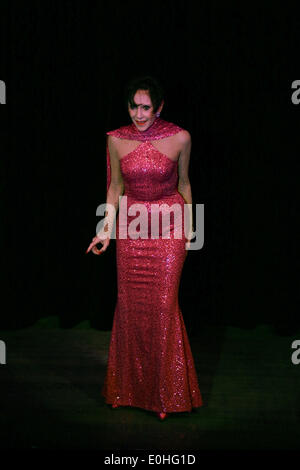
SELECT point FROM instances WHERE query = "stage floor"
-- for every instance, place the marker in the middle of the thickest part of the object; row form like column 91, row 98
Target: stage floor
column 51, row 382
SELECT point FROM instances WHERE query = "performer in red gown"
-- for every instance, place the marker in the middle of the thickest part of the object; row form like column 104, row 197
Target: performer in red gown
column 150, row 363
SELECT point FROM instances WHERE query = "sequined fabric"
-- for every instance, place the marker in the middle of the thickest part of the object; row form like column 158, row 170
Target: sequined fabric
column 150, row 363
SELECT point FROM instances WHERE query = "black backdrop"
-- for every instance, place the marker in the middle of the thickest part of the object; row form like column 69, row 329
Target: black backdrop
column 227, row 69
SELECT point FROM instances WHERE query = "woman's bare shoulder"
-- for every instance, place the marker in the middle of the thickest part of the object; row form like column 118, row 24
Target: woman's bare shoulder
column 183, row 139
column 113, row 145
column 114, row 141
column 184, row 136
column 112, row 138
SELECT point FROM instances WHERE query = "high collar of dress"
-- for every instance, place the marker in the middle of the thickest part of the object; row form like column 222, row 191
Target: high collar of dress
column 158, row 130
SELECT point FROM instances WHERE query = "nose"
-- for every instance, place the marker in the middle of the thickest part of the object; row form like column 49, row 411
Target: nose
column 139, row 112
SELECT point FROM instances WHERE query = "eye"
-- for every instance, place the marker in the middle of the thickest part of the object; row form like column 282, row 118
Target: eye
column 132, row 106
column 146, row 107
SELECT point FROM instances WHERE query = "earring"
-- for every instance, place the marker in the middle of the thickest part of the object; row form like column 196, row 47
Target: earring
column 157, row 114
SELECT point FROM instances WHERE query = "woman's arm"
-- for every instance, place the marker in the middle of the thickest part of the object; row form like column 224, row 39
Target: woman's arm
column 116, row 187
column 184, row 186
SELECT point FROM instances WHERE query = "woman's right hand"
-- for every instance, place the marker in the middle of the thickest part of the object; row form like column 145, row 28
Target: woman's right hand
column 102, row 238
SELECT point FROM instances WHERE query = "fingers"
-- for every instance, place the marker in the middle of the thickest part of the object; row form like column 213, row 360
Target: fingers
column 92, row 247
column 96, row 251
column 89, row 248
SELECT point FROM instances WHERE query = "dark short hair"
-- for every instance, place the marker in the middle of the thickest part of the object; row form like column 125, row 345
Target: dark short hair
column 148, row 83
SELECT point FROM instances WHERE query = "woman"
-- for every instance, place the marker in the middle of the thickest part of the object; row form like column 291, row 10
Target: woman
column 150, row 363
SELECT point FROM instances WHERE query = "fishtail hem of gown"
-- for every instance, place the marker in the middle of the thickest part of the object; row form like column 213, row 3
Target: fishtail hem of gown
column 197, row 404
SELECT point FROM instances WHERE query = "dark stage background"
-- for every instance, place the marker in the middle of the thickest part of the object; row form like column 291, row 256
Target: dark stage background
column 227, row 69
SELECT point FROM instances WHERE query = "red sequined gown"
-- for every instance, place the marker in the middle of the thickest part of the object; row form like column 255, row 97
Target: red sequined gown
column 150, row 363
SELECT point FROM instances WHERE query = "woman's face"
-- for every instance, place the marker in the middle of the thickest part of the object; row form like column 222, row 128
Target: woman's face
column 142, row 113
